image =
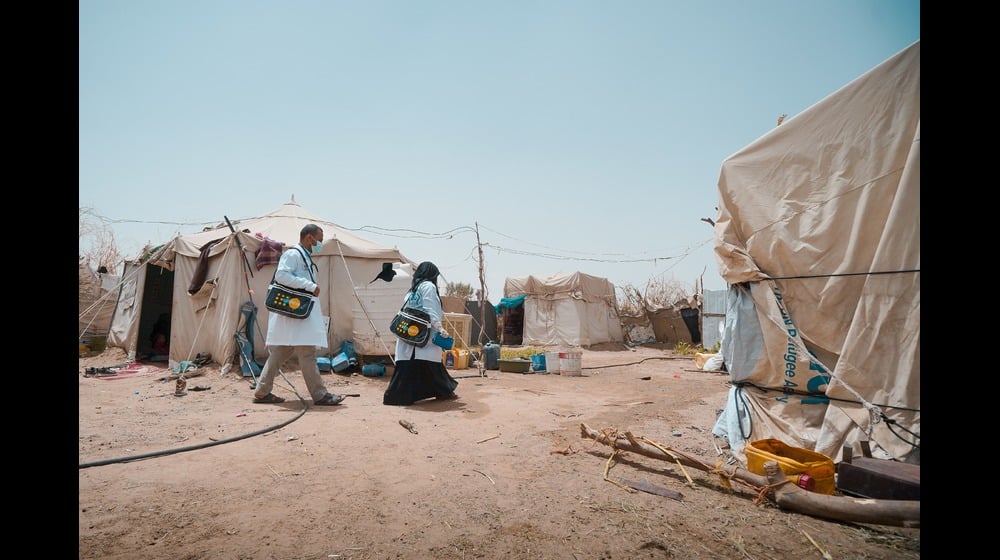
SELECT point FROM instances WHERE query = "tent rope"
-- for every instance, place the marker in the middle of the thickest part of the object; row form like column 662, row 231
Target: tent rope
column 354, row 290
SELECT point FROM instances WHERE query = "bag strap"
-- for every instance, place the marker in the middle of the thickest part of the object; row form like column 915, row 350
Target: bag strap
column 409, row 299
column 305, row 261
column 308, row 262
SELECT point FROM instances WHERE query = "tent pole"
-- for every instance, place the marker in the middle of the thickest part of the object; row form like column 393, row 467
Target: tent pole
column 246, row 261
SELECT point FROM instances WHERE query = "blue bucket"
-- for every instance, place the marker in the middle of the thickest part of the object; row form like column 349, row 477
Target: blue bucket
column 538, row 362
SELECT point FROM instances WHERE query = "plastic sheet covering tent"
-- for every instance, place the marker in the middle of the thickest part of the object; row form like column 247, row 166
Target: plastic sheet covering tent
column 207, row 320
column 818, row 237
column 561, row 309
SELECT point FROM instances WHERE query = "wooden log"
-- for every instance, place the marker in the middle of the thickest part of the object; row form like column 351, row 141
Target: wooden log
column 897, row 513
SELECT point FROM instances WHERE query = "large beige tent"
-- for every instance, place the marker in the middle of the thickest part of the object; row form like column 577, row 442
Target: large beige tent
column 207, row 320
column 566, row 309
column 819, row 239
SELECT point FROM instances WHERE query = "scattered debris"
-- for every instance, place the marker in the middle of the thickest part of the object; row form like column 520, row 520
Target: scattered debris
column 484, row 474
column 408, row 425
column 651, row 488
column 826, row 555
column 568, row 450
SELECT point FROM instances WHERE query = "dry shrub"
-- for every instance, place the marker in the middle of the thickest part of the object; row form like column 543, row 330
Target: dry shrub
column 657, row 294
column 97, row 242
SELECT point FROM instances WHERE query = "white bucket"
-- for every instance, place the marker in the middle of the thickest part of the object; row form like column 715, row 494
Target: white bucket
column 569, row 363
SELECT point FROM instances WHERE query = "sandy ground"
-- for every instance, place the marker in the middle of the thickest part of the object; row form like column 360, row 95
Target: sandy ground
column 503, row 472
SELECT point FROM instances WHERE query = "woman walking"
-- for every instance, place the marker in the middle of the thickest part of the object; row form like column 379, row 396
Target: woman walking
column 419, row 373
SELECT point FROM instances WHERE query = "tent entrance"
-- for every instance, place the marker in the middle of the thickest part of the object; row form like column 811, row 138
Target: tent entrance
column 157, row 300
column 513, row 325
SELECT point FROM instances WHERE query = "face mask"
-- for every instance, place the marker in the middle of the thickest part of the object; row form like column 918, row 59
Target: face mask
column 315, row 248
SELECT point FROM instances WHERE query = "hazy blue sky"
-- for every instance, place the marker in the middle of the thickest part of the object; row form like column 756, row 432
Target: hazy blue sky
column 580, row 135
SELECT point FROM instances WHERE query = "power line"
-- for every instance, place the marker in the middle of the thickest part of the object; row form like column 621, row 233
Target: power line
column 405, row 233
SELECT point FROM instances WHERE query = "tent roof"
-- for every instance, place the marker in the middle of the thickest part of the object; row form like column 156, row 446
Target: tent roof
column 283, row 224
column 560, row 284
column 790, row 200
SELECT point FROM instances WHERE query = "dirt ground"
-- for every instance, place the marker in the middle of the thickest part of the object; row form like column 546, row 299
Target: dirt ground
column 503, row 472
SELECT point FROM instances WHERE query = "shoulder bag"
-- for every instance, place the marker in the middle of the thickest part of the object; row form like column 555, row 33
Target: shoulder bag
column 290, row 302
column 411, row 324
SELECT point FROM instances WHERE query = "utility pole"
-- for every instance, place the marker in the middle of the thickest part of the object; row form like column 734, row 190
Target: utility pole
column 482, row 289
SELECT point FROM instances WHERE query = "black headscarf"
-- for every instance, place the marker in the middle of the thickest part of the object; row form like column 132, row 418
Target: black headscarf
column 426, row 271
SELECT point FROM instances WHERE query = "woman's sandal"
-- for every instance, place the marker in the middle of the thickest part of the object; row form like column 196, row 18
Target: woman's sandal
column 269, row 398
column 330, row 400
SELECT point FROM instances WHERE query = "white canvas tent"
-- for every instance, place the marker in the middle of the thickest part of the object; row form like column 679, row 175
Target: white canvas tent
column 819, row 239
column 97, row 300
column 561, row 309
column 207, row 321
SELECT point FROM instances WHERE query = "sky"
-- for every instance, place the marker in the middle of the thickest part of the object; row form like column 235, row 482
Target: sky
column 558, row 135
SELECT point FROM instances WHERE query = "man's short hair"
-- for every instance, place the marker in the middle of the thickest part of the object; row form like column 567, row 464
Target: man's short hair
column 309, row 229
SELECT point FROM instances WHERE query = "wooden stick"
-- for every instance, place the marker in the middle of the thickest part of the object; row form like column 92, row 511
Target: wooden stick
column 826, row 555
column 488, row 439
column 484, row 474
column 607, row 469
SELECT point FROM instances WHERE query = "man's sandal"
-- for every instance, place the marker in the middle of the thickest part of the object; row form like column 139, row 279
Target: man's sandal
column 269, row 398
column 330, row 400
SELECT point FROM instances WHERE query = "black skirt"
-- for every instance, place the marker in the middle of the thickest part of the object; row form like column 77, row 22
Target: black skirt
column 416, row 380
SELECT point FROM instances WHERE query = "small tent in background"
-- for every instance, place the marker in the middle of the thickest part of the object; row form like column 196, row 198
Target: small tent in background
column 203, row 280
column 561, row 309
column 98, row 292
column 818, row 237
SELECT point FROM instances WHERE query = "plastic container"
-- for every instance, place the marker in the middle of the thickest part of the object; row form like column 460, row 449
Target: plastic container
column 793, row 461
column 323, row 363
column 373, row 370
column 569, row 363
column 538, row 362
column 340, row 362
column 805, row 481
column 445, row 343
column 491, row 355
column 457, row 358
column 552, row 362
column 347, row 347
column 516, row 365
